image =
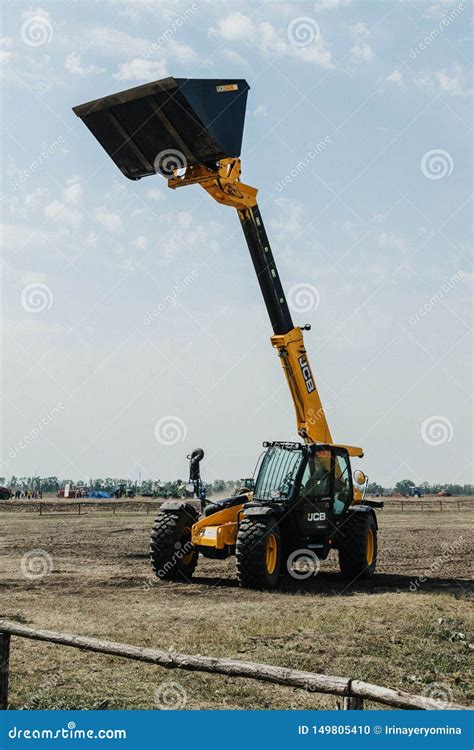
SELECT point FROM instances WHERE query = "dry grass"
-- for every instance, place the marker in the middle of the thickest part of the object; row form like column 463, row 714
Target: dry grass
column 101, row 585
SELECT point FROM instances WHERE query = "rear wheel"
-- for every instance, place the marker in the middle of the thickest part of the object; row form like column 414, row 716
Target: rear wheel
column 258, row 553
column 173, row 557
column 358, row 550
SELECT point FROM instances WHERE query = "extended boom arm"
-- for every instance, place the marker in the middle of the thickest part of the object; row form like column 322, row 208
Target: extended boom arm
column 225, row 187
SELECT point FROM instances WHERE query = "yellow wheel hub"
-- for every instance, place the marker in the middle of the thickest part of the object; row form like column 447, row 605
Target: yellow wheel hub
column 370, row 550
column 271, row 557
column 185, row 541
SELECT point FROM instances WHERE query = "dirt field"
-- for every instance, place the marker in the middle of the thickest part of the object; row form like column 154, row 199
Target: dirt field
column 395, row 630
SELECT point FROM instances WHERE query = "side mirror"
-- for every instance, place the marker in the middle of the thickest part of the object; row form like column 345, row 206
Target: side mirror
column 359, row 477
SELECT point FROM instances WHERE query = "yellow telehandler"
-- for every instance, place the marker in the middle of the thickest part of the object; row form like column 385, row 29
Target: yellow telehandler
column 304, row 498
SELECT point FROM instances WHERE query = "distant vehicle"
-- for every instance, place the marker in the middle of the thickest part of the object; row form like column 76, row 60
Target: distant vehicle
column 5, row 493
column 444, row 493
column 416, row 492
column 122, row 491
column 244, row 486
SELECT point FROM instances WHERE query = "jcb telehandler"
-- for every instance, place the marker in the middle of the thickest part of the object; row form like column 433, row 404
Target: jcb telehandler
column 304, row 500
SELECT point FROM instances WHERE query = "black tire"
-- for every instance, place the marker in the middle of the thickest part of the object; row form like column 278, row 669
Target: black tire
column 257, row 567
column 173, row 558
column 358, row 549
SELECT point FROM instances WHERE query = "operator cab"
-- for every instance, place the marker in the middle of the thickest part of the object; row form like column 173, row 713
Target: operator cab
column 314, row 481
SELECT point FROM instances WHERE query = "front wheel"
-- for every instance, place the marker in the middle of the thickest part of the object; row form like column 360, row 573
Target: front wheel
column 358, row 550
column 258, row 553
column 173, row 556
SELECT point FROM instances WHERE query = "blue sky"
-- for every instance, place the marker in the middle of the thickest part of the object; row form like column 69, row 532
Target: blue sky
column 358, row 137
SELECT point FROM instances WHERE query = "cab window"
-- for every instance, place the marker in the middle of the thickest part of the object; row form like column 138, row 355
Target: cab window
column 342, row 484
column 316, row 482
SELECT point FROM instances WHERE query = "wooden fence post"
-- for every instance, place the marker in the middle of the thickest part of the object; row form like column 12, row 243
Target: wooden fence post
column 4, row 668
column 353, row 703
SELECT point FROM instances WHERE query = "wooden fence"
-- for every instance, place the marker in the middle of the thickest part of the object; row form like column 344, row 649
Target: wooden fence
column 353, row 691
column 88, row 505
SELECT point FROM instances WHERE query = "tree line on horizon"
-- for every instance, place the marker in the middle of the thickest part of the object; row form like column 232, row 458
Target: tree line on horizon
column 158, row 488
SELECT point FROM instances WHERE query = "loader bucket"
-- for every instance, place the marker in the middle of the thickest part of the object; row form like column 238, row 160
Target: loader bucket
column 169, row 124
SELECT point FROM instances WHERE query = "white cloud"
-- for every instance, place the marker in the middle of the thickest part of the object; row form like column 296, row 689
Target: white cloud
column 270, row 41
column 260, row 111
column 395, row 77
column 362, row 52
column 6, row 55
column 111, row 222
column 155, row 194
column 454, row 83
column 140, row 243
column 140, row 69
column 73, row 65
column 292, row 213
column 330, row 4
column 73, row 193
column 234, row 27
column 234, row 57
column 180, row 51
column 34, row 199
column 60, row 213
column 110, row 41
column 389, row 241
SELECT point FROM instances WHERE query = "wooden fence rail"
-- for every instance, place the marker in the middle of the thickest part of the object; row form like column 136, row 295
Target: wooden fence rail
column 352, row 691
